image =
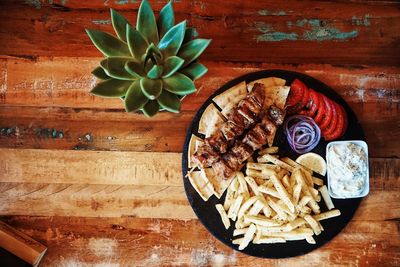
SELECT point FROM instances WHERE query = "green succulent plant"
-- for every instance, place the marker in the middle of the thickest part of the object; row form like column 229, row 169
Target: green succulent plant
column 150, row 67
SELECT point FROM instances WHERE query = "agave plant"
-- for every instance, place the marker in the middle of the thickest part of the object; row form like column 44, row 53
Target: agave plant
column 150, row 67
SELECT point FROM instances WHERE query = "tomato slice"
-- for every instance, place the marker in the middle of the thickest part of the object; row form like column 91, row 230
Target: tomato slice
column 294, row 101
column 314, row 102
column 328, row 113
column 320, row 109
column 346, row 121
column 332, row 126
column 341, row 125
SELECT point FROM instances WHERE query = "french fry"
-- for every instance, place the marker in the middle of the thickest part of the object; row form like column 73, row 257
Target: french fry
column 270, row 158
column 234, row 209
column 310, row 240
column 295, row 224
column 246, row 205
column 313, row 223
column 327, row 215
column 304, row 188
column 230, row 193
column 248, row 236
column 303, row 202
column 253, row 185
column 260, row 220
column 242, row 231
column 315, row 194
column 308, row 178
column 269, row 150
column 281, row 214
column 269, row 191
column 270, row 240
column 242, row 185
column 265, row 231
column 283, row 193
column 241, row 224
column 318, row 181
column 326, row 197
column 237, row 241
column 296, row 193
column 294, row 164
column 301, row 232
column 224, row 216
column 255, row 173
column 257, row 207
column 286, row 183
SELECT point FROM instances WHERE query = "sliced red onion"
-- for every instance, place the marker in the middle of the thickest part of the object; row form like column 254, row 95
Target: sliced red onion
column 302, row 133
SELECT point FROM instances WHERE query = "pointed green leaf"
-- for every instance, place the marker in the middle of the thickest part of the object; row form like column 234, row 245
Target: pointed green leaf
column 108, row 44
column 135, row 99
column 151, row 108
column 194, row 70
column 111, row 88
column 192, row 50
column 172, row 40
column 155, row 72
column 99, row 73
column 146, row 23
column 166, row 19
column 136, row 42
column 115, row 68
column 153, row 53
column 151, row 88
column 169, row 101
column 134, row 68
column 190, row 34
column 179, row 84
column 172, row 65
column 119, row 23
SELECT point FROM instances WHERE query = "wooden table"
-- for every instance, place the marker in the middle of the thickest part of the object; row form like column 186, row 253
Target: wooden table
column 100, row 186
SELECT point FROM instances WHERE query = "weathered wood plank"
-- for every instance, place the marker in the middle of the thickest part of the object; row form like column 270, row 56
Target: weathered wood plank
column 291, row 32
column 129, row 168
column 89, row 129
column 160, row 242
column 90, row 167
column 66, row 82
column 145, row 201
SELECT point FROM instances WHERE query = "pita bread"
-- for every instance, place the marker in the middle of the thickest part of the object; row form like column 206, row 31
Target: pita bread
column 202, row 186
column 267, row 82
column 210, row 121
column 232, row 95
column 228, row 108
column 194, row 143
column 219, row 184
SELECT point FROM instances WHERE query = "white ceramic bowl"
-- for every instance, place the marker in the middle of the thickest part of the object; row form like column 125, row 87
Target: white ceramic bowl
column 366, row 186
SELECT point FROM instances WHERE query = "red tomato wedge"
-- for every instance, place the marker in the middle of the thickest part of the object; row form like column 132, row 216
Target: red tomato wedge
column 294, row 101
column 341, row 125
column 314, row 103
column 328, row 113
column 332, row 126
column 321, row 109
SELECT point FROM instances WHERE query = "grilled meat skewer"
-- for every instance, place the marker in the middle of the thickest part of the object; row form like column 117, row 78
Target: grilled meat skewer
column 243, row 116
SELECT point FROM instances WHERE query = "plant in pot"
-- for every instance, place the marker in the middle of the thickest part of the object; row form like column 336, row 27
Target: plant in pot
column 150, row 67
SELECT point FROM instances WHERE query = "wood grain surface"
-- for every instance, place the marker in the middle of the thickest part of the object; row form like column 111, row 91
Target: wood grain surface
column 100, row 187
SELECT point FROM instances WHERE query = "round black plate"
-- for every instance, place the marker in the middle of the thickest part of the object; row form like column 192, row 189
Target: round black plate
column 209, row 216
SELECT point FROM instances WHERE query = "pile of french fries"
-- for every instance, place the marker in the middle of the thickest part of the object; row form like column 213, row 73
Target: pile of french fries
column 275, row 201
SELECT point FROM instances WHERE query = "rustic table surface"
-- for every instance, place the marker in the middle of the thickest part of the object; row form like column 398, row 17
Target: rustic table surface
column 100, row 186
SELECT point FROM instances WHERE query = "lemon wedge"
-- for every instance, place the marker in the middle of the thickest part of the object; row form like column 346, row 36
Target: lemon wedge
column 314, row 162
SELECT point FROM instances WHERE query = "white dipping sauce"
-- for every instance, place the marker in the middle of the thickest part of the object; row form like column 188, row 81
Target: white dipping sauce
column 347, row 165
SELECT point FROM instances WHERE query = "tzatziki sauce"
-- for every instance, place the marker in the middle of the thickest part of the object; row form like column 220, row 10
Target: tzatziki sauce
column 348, row 169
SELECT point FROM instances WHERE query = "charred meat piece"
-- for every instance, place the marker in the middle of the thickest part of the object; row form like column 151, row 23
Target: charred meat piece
column 242, row 151
column 239, row 120
column 251, row 105
column 232, row 161
column 268, row 125
column 222, row 169
column 218, row 142
column 246, row 113
column 258, row 93
column 205, row 156
column 231, row 130
column 257, row 137
column 276, row 115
